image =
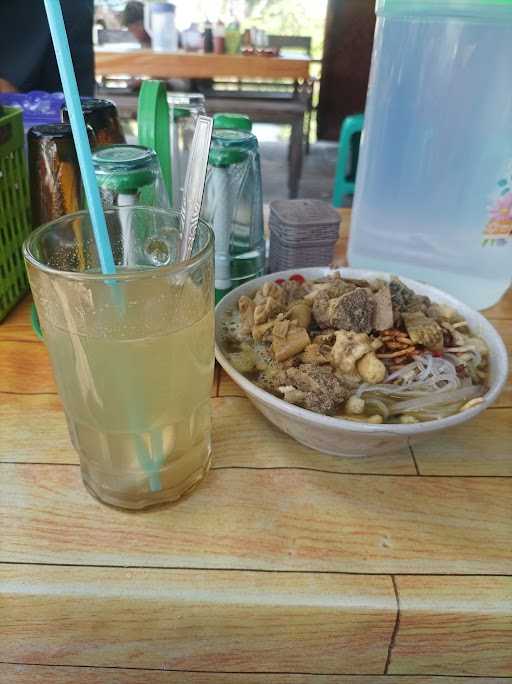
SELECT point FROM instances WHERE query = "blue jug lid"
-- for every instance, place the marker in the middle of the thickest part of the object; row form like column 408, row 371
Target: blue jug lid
column 484, row 9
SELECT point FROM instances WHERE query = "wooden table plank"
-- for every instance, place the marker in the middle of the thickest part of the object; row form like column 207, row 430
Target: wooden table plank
column 197, row 65
column 40, row 674
column 501, row 310
column 504, row 327
column 25, row 367
column 481, row 447
column 472, row 637
column 17, row 325
column 26, row 421
column 273, row 519
column 174, row 619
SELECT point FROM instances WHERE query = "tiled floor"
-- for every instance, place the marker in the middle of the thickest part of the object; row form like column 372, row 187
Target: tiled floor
column 318, row 172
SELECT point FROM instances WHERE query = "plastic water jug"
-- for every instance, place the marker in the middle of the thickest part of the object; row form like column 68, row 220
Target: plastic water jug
column 433, row 196
column 159, row 22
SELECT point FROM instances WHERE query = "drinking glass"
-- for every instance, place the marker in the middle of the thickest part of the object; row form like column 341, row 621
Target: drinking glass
column 132, row 352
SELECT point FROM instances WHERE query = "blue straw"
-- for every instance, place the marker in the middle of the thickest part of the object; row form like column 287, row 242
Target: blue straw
column 83, row 151
column 76, row 119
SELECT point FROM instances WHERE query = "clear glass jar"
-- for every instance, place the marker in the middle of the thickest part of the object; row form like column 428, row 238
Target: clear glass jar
column 233, row 205
column 184, row 108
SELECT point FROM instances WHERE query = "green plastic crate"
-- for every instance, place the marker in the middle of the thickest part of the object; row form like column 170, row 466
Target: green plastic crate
column 15, row 222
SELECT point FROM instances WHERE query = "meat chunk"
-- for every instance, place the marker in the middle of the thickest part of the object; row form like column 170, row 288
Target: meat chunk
column 371, row 369
column 315, row 354
column 321, row 310
column 293, row 291
column 353, row 311
column 406, row 300
column 348, row 349
column 272, row 378
column 423, row 330
column 323, row 390
column 383, row 319
column 268, row 309
column 300, row 312
column 288, row 340
column 246, row 307
column 292, row 395
column 262, row 331
column 270, row 289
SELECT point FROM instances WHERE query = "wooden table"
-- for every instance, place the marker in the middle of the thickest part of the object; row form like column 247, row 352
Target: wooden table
column 287, row 565
column 197, row 65
column 168, row 65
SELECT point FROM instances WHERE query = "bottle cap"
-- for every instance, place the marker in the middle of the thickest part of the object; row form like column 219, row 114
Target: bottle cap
column 226, row 120
column 124, row 168
column 223, row 157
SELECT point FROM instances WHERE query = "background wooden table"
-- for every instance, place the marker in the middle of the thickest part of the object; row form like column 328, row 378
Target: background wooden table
column 286, row 566
column 197, row 65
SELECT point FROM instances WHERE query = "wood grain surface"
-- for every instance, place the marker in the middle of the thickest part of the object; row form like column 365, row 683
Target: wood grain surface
column 228, row 621
column 301, row 567
column 41, row 674
column 271, row 519
column 197, row 65
column 471, row 635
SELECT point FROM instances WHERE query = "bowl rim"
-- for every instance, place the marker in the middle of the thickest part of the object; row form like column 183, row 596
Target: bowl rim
column 297, row 412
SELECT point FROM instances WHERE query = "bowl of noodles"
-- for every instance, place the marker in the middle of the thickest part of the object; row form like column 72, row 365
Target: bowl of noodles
column 353, row 362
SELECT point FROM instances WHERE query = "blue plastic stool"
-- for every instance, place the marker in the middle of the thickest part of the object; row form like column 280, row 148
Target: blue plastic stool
column 348, row 152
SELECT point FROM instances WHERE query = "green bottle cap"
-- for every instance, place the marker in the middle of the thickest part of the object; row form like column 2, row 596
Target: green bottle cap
column 223, row 157
column 180, row 113
column 232, row 121
column 124, row 168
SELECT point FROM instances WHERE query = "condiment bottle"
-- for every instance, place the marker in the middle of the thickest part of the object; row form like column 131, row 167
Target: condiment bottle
column 208, row 36
column 233, row 37
column 219, row 33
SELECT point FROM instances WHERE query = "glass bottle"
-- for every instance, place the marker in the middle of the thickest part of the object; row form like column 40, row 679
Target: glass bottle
column 55, row 180
column 102, row 117
column 233, row 206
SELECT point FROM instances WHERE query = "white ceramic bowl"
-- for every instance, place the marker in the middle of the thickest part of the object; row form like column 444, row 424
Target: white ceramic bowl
column 346, row 438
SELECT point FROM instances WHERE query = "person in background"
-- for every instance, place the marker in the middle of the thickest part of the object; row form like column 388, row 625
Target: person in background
column 27, row 58
column 133, row 18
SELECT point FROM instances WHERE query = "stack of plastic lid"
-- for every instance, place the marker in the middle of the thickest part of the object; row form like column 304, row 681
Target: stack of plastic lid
column 39, row 108
column 302, row 233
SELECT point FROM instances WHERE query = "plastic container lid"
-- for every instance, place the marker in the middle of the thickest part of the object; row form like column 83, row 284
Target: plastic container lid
column 38, row 106
column 482, row 9
column 226, row 120
column 163, row 7
column 304, row 212
column 180, row 113
column 124, row 168
column 223, row 157
column 227, row 137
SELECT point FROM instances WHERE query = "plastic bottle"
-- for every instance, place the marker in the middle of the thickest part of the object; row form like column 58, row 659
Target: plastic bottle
column 434, row 185
column 208, row 36
column 160, row 24
column 233, row 37
column 219, row 34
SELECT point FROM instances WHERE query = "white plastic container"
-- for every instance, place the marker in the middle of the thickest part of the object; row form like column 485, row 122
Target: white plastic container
column 159, row 22
column 434, row 185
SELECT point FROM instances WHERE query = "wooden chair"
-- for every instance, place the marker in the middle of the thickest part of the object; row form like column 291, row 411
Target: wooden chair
column 348, row 155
